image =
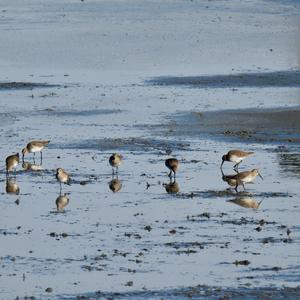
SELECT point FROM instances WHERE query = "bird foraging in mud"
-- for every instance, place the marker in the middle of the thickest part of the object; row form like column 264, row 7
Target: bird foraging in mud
column 236, row 156
column 173, row 165
column 35, row 146
column 62, row 177
column 115, row 161
column 246, row 177
column 11, row 162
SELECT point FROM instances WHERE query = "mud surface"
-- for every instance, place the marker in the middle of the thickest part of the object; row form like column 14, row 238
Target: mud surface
column 256, row 125
column 140, row 235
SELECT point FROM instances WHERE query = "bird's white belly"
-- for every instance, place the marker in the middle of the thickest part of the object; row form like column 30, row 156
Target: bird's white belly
column 36, row 149
column 236, row 159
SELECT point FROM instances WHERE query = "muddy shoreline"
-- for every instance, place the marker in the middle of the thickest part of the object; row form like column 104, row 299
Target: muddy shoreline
column 278, row 125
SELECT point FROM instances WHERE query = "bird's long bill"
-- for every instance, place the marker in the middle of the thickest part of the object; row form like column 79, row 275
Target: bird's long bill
column 222, row 164
column 260, row 176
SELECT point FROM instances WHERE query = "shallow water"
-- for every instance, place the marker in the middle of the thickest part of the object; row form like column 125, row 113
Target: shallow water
column 139, row 235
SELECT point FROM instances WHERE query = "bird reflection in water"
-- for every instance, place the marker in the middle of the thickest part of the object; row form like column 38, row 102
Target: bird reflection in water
column 115, row 185
column 246, row 202
column 12, row 186
column 230, row 179
column 172, row 187
column 61, row 202
column 27, row 166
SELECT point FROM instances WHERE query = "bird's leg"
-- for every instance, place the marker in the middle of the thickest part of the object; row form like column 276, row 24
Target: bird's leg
column 174, row 175
column 117, row 171
column 243, row 186
column 236, row 166
column 236, row 187
column 41, row 157
column 60, row 188
column 170, row 174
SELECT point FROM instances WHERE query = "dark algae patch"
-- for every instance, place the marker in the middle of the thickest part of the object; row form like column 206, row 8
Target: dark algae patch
column 14, row 85
column 289, row 78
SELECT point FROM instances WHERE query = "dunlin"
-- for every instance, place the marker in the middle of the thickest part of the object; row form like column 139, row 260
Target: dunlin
column 115, row 161
column 230, row 179
column 35, row 146
column 236, row 156
column 61, row 202
column 115, row 185
column 246, row 202
column 173, row 165
column 12, row 187
column 172, row 187
column 11, row 162
column 246, row 177
column 62, row 176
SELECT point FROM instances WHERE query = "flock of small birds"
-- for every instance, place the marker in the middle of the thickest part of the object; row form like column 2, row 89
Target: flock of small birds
column 116, row 159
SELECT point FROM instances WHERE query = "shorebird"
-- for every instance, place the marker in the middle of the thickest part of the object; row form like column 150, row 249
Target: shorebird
column 115, row 185
column 246, row 177
column 62, row 177
column 172, row 187
column 61, row 202
column 236, row 156
column 115, row 161
column 12, row 187
column 230, row 179
column 246, row 202
column 35, row 146
column 173, row 165
column 11, row 162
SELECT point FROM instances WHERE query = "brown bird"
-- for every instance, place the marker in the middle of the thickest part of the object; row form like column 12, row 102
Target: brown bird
column 11, row 162
column 62, row 177
column 230, row 179
column 246, row 177
column 12, row 187
column 173, row 165
column 115, row 161
column 35, row 146
column 172, row 187
column 115, row 185
column 61, row 202
column 236, row 156
column 246, row 202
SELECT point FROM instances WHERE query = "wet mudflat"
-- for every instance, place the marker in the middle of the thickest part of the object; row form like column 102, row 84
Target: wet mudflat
column 140, row 235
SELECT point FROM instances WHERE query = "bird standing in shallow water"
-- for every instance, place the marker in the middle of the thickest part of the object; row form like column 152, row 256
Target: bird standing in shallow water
column 62, row 177
column 35, row 146
column 236, row 156
column 11, row 162
column 173, row 165
column 246, row 177
column 115, row 161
